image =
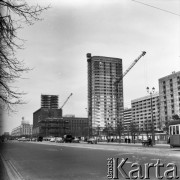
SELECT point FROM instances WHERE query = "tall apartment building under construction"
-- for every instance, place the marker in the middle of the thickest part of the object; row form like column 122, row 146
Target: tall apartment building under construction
column 105, row 97
column 49, row 101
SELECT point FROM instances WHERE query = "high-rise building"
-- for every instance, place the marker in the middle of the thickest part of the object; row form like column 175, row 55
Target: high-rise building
column 169, row 94
column 49, row 101
column 105, row 97
column 141, row 113
column 127, row 119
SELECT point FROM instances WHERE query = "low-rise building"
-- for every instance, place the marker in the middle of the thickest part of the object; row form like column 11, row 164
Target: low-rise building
column 47, row 122
column 25, row 129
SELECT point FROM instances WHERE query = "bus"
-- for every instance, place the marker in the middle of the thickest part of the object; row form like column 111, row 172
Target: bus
column 174, row 133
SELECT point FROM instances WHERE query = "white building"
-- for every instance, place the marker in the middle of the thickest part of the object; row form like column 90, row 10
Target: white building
column 25, row 129
column 141, row 112
column 169, row 94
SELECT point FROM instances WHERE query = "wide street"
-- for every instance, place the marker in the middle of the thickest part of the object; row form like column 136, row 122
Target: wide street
column 82, row 161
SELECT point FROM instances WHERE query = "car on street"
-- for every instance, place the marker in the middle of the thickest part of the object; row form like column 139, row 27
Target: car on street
column 52, row 139
column 59, row 140
column 22, row 139
column 92, row 141
column 76, row 140
column 68, row 138
column 40, row 139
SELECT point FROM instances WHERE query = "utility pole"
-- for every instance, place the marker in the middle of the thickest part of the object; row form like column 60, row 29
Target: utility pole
column 152, row 119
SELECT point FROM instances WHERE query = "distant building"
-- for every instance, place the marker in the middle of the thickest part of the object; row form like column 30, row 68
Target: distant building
column 127, row 120
column 169, row 94
column 25, row 129
column 105, row 99
column 56, row 125
column 49, row 101
column 77, row 126
column 6, row 134
column 48, row 121
column 141, row 113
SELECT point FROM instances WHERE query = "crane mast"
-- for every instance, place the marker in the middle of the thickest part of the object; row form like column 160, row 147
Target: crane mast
column 66, row 100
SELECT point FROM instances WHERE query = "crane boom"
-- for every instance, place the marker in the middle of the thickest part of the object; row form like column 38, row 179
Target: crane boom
column 134, row 62
column 130, row 67
column 66, row 100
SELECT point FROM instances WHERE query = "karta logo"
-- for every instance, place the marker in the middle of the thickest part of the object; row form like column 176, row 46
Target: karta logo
column 116, row 168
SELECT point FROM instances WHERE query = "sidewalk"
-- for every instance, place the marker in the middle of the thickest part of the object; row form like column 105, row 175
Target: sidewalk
column 3, row 172
column 132, row 144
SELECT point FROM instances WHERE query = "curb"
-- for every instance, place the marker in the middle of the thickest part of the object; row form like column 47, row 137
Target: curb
column 12, row 172
column 131, row 144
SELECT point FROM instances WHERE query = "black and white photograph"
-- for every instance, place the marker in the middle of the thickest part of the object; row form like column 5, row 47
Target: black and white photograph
column 89, row 89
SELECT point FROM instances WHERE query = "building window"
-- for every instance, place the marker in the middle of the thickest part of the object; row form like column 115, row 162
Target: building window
column 177, row 129
column 174, row 130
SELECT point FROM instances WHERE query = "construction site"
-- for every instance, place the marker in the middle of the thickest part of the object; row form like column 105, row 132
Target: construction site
column 48, row 121
column 105, row 94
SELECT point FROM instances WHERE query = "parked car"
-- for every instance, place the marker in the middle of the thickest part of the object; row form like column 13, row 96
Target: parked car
column 52, row 139
column 40, row 139
column 76, row 140
column 46, row 138
column 92, row 141
column 59, row 140
column 68, row 138
column 22, row 139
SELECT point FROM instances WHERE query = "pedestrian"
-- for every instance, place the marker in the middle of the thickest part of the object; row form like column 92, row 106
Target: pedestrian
column 150, row 141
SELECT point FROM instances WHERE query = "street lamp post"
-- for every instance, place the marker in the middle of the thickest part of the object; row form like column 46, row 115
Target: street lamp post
column 152, row 120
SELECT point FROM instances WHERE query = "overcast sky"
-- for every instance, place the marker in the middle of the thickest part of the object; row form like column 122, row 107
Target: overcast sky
column 56, row 49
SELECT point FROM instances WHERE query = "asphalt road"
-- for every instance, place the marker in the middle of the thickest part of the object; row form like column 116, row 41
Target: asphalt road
column 68, row 161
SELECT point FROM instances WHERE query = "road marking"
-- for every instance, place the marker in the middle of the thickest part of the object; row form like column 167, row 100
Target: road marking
column 12, row 172
column 51, row 149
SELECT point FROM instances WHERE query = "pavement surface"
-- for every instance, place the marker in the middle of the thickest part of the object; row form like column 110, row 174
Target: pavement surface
column 58, row 152
column 3, row 171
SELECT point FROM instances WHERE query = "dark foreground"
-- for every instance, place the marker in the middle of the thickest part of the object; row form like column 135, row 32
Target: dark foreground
column 52, row 161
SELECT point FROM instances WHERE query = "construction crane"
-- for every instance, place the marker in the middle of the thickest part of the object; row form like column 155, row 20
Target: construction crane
column 117, row 81
column 66, row 100
column 130, row 67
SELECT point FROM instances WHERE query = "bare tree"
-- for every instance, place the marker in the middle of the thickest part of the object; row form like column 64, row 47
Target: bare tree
column 120, row 130
column 13, row 14
column 134, row 130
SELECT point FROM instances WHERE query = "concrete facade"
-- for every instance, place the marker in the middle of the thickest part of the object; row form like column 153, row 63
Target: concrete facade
column 127, row 119
column 47, row 122
column 105, row 100
column 169, row 94
column 141, row 112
